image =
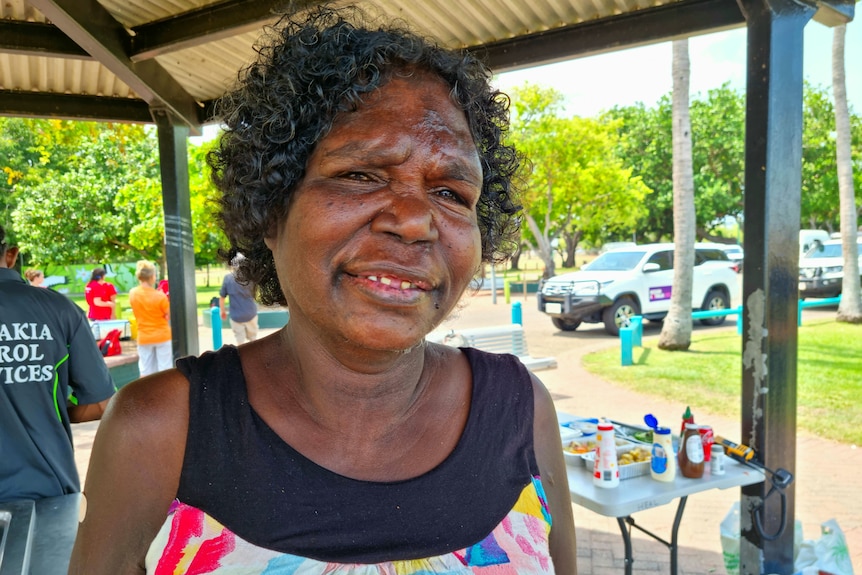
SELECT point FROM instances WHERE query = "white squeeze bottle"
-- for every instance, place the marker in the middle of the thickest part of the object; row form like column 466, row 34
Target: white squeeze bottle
column 606, row 471
column 663, row 459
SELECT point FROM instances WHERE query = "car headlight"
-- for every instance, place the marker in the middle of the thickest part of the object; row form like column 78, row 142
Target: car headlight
column 807, row 273
column 586, row 289
column 833, row 271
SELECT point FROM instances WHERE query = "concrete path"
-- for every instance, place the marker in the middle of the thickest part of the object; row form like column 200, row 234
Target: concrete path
column 827, row 476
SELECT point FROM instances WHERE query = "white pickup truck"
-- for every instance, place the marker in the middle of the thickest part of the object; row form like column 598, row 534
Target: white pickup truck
column 635, row 281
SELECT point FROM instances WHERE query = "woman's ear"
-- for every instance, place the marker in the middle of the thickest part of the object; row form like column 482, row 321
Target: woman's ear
column 11, row 256
column 271, row 236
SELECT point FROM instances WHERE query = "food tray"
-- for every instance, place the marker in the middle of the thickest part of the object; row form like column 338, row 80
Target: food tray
column 573, row 449
column 626, row 471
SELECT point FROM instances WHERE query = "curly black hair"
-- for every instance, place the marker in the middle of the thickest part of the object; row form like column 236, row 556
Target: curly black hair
column 309, row 70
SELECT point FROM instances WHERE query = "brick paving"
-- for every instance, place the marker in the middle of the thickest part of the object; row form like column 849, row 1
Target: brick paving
column 827, row 481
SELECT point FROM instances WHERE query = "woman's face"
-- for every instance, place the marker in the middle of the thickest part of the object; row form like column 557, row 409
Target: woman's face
column 381, row 238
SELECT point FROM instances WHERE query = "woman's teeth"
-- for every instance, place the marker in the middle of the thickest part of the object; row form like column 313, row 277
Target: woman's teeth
column 389, row 281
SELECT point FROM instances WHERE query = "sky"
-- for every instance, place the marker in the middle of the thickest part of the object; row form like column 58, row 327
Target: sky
column 643, row 74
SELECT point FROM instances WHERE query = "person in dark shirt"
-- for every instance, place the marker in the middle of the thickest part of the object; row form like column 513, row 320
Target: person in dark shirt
column 51, row 375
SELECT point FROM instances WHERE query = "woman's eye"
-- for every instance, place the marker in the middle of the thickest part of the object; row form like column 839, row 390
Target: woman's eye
column 451, row 195
column 358, row 176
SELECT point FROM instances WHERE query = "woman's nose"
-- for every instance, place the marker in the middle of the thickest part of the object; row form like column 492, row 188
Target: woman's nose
column 407, row 214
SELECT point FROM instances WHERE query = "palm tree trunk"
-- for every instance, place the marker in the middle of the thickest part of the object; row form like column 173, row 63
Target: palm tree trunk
column 850, row 309
column 676, row 331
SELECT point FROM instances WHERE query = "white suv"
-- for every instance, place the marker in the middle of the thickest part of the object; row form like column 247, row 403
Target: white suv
column 635, row 281
column 821, row 271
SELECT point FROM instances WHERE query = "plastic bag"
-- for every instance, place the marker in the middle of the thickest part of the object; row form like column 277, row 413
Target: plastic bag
column 729, row 530
column 829, row 554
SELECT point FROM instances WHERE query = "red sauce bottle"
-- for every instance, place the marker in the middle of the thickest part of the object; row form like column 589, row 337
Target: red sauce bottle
column 687, row 417
column 691, row 460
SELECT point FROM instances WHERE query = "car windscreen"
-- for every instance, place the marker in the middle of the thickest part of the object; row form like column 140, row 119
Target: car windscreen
column 619, row 260
column 824, row 251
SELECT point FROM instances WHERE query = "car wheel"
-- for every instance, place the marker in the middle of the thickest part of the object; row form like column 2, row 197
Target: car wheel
column 566, row 324
column 619, row 314
column 715, row 300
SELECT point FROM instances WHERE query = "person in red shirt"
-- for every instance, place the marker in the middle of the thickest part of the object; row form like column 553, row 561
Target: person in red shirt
column 101, row 296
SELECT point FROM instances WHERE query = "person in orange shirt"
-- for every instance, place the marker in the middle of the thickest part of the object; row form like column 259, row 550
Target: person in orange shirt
column 152, row 312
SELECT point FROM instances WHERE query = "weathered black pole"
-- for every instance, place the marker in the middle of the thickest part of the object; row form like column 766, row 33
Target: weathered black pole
column 773, row 168
column 179, row 246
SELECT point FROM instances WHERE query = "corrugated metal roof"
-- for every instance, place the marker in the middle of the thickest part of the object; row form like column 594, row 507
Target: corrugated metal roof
column 200, row 67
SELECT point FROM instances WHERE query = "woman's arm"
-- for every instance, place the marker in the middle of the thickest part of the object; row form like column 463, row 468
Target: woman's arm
column 549, row 455
column 86, row 412
column 133, row 475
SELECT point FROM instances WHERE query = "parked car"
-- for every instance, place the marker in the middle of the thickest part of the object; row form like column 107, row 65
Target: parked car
column 736, row 255
column 635, row 281
column 809, row 238
column 611, row 246
column 821, row 271
column 734, row 252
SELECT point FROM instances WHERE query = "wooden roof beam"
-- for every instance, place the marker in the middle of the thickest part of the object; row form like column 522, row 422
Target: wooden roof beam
column 96, row 31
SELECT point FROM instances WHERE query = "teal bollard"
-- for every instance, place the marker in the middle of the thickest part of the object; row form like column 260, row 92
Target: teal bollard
column 517, row 314
column 215, row 321
column 626, row 355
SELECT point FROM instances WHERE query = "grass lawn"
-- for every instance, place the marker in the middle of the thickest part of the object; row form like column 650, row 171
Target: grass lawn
column 829, row 376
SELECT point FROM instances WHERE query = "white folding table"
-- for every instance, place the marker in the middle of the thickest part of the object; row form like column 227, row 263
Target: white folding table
column 644, row 492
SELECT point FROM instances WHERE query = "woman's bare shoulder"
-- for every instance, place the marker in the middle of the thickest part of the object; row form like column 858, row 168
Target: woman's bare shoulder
column 133, row 474
column 158, row 404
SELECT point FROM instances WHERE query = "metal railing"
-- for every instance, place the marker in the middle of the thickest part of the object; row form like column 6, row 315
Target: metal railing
column 632, row 335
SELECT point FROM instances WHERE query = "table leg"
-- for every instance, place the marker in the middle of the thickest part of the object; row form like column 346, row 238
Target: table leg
column 672, row 545
column 627, row 543
column 673, row 537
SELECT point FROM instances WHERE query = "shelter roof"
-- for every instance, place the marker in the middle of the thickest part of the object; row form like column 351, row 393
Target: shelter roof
column 116, row 59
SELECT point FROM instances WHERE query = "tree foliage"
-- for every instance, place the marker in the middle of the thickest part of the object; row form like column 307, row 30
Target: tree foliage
column 91, row 192
column 718, row 156
column 574, row 185
column 820, row 201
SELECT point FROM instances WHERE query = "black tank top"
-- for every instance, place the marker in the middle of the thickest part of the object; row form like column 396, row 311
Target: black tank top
column 240, row 472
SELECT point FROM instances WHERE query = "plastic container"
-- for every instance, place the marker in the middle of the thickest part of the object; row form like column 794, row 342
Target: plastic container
column 690, row 457
column 663, row 462
column 716, row 463
column 606, row 471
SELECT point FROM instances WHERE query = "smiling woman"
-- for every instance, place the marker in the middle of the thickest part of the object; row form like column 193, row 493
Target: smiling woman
column 364, row 178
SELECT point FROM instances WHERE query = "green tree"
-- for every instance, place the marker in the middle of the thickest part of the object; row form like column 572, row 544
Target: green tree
column 85, row 191
column 819, row 207
column 718, row 159
column 574, row 185
column 718, row 156
column 208, row 236
column 644, row 144
column 66, row 205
